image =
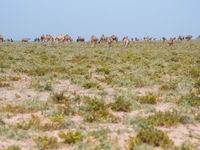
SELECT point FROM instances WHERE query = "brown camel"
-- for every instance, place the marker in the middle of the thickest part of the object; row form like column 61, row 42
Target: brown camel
column 59, row 38
column 164, row 38
column 171, row 42
column 137, row 39
column 180, row 37
column 25, row 39
column 68, row 38
column 198, row 37
column 114, row 38
column 10, row 40
column 188, row 37
column 126, row 41
column 94, row 39
column 147, row 38
column 43, row 37
column 109, row 41
column 103, row 38
column 46, row 38
column 80, row 39
column 37, row 40
column 49, row 37
column 1, row 38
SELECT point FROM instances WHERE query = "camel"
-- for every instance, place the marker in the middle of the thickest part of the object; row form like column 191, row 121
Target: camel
column 126, row 41
column 43, row 37
column 25, row 39
column 1, row 38
column 59, row 38
column 80, row 39
column 103, row 38
column 164, row 38
column 180, row 37
column 68, row 38
column 137, row 39
column 94, row 39
column 198, row 37
column 114, row 38
column 10, row 40
column 46, row 38
column 188, row 37
column 171, row 42
column 49, row 37
column 109, row 41
column 37, row 40
column 147, row 38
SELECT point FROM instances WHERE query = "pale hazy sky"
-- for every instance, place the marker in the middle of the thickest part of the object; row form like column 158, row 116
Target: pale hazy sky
column 31, row 18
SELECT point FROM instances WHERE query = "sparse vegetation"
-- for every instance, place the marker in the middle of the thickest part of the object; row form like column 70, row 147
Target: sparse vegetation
column 90, row 97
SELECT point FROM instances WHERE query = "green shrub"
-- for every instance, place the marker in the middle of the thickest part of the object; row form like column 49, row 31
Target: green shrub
column 171, row 85
column 105, row 70
column 70, row 136
column 197, row 83
column 59, row 98
column 143, row 147
column 121, row 105
column 46, row 142
column 4, row 84
column 197, row 117
column 187, row 146
column 36, row 104
column 194, row 71
column 150, row 136
column 13, row 147
column 90, row 84
column 190, row 98
column 63, row 103
column 34, row 122
column 15, row 78
column 16, row 109
column 148, row 98
column 164, row 119
column 95, row 109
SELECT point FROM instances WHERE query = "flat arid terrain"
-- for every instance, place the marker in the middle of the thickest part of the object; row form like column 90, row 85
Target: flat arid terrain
column 80, row 96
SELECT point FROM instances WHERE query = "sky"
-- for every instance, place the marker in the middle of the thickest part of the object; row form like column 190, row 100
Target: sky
column 133, row 18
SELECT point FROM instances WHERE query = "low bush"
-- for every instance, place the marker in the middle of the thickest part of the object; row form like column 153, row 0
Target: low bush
column 190, row 98
column 46, row 142
column 90, row 84
column 148, row 98
column 70, row 136
column 197, row 117
column 95, row 109
column 152, row 137
column 13, row 147
column 16, row 109
column 164, row 119
column 171, row 85
column 120, row 104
